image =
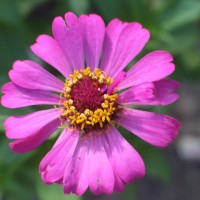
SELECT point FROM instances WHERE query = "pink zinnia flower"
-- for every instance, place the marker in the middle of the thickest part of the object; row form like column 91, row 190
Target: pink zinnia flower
column 95, row 98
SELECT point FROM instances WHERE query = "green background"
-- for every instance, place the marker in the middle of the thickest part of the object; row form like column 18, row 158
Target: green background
column 174, row 26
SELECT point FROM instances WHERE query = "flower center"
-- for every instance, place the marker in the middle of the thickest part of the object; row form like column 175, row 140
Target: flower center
column 86, row 95
column 86, row 104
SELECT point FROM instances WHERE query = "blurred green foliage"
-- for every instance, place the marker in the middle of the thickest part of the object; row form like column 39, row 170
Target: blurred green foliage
column 174, row 26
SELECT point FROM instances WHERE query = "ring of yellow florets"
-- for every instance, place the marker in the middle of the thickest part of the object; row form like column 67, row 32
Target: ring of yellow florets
column 86, row 104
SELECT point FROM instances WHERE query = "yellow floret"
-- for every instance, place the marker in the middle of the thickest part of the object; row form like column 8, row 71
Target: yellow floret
column 100, row 116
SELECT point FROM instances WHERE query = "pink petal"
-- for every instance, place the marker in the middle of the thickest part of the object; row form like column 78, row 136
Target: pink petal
column 53, row 165
column 35, row 140
column 120, row 77
column 165, row 92
column 100, row 173
column 30, row 75
column 152, row 67
column 161, row 92
column 119, row 184
column 156, row 129
column 130, row 42
column 18, row 127
column 62, row 137
column 93, row 29
column 125, row 161
column 138, row 94
column 113, row 31
column 76, row 172
column 69, row 36
column 48, row 49
column 17, row 97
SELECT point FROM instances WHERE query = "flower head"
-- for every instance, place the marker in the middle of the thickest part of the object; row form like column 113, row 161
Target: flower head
column 97, row 95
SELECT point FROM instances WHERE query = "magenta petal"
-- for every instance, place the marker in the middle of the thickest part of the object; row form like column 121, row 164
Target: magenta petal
column 113, row 31
column 130, row 42
column 93, row 38
column 18, row 127
column 49, row 50
column 156, row 129
column 30, row 75
column 69, row 36
column 138, row 94
column 125, row 161
column 120, row 77
column 161, row 92
column 53, row 165
column 100, row 173
column 17, row 97
column 76, row 172
column 35, row 140
column 152, row 67
column 165, row 92
column 119, row 184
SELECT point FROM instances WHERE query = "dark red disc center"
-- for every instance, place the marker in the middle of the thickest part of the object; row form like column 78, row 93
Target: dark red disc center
column 85, row 95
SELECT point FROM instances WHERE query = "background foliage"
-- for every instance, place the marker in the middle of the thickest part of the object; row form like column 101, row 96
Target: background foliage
column 174, row 26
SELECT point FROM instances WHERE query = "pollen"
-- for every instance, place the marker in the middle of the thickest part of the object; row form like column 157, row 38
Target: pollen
column 86, row 104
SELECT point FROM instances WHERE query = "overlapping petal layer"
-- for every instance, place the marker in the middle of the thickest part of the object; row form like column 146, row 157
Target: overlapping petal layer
column 156, row 129
column 97, row 161
column 53, row 165
column 48, row 49
column 123, row 45
column 152, row 67
column 18, row 127
column 76, row 173
column 17, row 97
column 121, row 154
column 161, row 92
column 69, row 36
column 30, row 75
column 92, row 38
column 33, row 141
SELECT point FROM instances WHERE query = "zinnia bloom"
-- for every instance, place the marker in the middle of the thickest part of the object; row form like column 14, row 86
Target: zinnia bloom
column 96, row 97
